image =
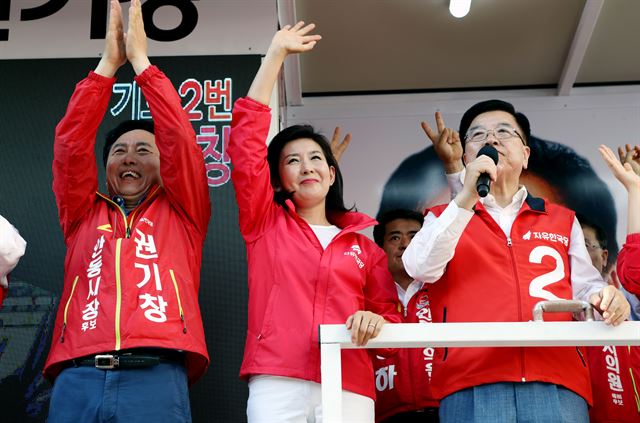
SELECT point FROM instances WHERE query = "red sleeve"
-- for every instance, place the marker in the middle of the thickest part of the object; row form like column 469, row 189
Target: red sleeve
column 75, row 174
column 379, row 292
column 629, row 264
column 182, row 167
column 250, row 174
column 3, row 293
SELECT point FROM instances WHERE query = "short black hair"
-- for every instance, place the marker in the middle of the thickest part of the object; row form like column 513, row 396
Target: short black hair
column 601, row 235
column 491, row 106
column 334, row 200
column 380, row 230
column 123, row 128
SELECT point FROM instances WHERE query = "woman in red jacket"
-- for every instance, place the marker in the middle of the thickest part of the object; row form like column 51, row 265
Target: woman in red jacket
column 307, row 264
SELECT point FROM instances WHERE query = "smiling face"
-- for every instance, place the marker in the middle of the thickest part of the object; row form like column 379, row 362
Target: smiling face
column 133, row 165
column 305, row 173
column 513, row 154
column 397, row 235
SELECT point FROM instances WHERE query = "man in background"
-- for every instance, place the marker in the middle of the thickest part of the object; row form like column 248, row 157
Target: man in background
column 403, row 380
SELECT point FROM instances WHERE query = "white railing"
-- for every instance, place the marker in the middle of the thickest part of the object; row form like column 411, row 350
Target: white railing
column 333, row 338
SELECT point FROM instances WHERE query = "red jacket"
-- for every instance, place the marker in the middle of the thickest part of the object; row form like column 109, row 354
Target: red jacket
column 508, row 278
column 629, row 264
column 403, row 381
column 615, row 382
column 295, row 285
column 130, row 281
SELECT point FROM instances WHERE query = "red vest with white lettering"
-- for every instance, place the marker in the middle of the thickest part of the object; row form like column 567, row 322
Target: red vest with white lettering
column 403, row 381
column 492, row 278
column 614, row 387
column 130, row 281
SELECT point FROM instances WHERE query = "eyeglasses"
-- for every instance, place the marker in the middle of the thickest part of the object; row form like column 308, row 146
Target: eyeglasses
column 593, row 246
column 502, row 133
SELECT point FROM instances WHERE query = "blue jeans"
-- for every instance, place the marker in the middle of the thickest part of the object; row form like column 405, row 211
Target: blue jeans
column 514, row 402
column 151, row 394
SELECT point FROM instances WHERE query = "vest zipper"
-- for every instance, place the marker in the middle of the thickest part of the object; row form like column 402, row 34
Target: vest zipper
column 127, row 226
column 175, row 285
column 515, row 278
column 66, row 308
column 118, row 293
column 129, row 222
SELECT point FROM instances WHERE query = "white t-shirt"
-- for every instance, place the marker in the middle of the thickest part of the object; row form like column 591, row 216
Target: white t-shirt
column 325, row 233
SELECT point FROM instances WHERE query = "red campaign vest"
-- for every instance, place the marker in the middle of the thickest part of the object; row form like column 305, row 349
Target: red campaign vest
column 615, row 383
column 492, row 278
column 130, row 281
column 105, row 306
column 403, row 381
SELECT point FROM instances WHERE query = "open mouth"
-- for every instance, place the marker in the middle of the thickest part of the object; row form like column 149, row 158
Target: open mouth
column 130, row 174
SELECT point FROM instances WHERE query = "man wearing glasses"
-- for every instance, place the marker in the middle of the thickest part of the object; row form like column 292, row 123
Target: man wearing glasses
column 493, row 259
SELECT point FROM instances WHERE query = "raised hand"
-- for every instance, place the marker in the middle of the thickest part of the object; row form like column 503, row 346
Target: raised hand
column 136, row 39
column 623, row 172
column 446, row 143
column 113, row 55
column 337, row 147
column 286, row 41
column 630, row 155
column 468, row 197
column 293, row 39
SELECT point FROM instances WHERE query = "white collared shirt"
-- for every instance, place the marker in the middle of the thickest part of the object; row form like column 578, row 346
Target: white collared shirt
column 412, row 289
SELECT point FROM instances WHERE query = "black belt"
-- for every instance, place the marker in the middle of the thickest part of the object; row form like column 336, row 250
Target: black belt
column 425, row 415
column 130, row 359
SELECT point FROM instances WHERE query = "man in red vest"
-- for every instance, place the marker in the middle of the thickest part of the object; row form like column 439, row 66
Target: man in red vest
column 403, row 380
column 493, row 259
column 615, row 377
column 128, row 337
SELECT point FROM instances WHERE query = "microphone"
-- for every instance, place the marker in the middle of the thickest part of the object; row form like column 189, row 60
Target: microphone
column 483, row 183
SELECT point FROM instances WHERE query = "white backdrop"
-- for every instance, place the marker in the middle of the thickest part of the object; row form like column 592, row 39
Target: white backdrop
column 386, row 129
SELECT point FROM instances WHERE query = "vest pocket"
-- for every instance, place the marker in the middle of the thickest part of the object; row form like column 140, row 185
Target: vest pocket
column 66, row 309
column 175, row 285
column 444, row 320
column 581, row 356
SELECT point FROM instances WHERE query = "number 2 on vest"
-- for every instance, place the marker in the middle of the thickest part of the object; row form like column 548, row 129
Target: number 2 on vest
column 536, row 288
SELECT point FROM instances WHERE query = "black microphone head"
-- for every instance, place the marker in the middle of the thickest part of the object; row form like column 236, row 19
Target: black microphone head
column 490, row 151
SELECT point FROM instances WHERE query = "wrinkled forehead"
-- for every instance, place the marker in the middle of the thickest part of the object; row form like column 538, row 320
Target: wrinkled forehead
column 493, row 119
